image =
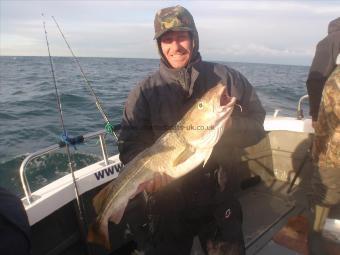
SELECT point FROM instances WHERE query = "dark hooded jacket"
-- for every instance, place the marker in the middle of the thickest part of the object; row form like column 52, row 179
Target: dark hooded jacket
column 158, row 102
column 15, row 235
column 323, row 64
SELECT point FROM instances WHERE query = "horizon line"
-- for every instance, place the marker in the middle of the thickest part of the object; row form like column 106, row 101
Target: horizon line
column 208, row 60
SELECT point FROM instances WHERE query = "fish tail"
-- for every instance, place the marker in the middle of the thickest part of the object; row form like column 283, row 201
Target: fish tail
column 99, row 235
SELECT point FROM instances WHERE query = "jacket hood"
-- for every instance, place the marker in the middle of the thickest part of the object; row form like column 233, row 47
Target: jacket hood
column 334, row 26
column 176, row 18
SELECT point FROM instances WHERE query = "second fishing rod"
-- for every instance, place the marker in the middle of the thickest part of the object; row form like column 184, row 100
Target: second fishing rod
column 108, row 126
column 80, row 207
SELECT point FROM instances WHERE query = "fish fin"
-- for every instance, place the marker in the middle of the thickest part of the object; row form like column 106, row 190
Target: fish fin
column 118, row 215
column 184, row 155
column 208, row 156
column 100, row 198
column 96, row 235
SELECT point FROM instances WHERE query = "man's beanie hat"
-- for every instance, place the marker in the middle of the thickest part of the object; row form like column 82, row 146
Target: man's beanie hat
column 175, row 18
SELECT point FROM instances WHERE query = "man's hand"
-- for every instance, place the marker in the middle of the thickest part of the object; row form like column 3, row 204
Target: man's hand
column 159, row 180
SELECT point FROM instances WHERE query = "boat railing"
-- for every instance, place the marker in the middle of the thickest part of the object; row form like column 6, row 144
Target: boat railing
column 299, row 112
column 23, row 175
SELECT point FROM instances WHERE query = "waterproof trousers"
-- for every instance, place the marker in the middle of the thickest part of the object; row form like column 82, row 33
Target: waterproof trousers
column 195, row 208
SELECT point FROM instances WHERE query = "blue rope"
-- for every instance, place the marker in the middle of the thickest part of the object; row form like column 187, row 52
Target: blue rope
column 64, row 138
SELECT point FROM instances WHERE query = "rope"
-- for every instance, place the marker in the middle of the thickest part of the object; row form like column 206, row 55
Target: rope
column 65, row 139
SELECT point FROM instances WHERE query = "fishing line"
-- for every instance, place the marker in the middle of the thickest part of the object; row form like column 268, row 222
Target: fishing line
column 108, row 126
column 70, row 163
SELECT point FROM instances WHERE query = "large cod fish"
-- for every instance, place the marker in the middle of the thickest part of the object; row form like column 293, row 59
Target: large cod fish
column 177, row 152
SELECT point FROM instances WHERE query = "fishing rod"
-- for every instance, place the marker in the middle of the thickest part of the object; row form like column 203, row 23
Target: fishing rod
column 108, row 126
column 70, row 163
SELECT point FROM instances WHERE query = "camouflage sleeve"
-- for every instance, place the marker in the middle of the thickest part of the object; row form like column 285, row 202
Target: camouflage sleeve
column 136, row 132
column 320, row 135
column 327, row 129
column 334, row 102
column 330, row 105
column 321, row 126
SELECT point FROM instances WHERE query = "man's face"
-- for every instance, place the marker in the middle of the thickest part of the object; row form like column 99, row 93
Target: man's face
column 177, row 48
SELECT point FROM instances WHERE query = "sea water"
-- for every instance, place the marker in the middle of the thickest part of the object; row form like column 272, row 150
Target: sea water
column 29, row 117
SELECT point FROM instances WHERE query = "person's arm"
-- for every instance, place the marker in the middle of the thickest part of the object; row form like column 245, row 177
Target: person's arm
column 329, row 113
column 247, row 119
column 136, row 131
column 136, row 134
column 322, row 66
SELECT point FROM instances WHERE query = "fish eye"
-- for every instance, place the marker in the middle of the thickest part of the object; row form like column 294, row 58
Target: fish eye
column 200, row 105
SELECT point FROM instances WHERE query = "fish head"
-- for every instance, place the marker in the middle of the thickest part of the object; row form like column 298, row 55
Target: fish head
column 204, row 123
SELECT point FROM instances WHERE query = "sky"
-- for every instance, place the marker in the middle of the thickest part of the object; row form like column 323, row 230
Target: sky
column 277, row 32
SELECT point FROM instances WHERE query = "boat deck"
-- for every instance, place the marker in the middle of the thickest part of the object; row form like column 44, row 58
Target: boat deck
column 266, row 211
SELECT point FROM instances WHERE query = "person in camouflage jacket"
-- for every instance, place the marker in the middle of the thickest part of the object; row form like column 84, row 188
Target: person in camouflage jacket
column 326, row 149
column 326, row 157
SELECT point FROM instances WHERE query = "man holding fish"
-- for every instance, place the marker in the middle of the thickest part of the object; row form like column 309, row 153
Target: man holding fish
column 179, row 126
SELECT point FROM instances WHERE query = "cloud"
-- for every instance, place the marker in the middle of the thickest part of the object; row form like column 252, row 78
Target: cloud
column 262, row 50
column 11, row 43
column 246, row 30
column 315, row 7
